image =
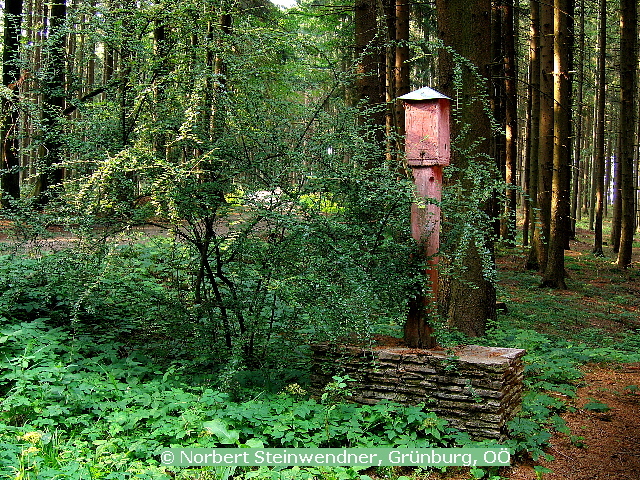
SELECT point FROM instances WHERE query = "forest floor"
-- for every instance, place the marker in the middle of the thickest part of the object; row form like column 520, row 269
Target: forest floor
column 602, row 445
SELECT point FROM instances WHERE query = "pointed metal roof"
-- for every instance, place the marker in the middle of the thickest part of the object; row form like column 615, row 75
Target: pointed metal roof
column 424, row 93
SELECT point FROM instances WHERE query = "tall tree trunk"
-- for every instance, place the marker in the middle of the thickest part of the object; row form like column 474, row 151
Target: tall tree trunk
column 393, row 115
column 545, row 149
column 534, row 120
column 108, row 61
column 497, row 97
column 591, row 178
column 554, row 273
column 628, row 67
column 397, row 72
column 469, row 300
column 161, row 50
column 607, row 175
column 9, row 118
column 370, row 68
column 526, row 165
column 578, row 141
column 402, row 59
column 126, row 55
column 218, row 117
column 511, row 122
column 599, row 162
column 570, row 69
column 91, row 64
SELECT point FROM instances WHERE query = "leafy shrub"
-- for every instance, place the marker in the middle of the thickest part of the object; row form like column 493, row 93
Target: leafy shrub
column 78, row 409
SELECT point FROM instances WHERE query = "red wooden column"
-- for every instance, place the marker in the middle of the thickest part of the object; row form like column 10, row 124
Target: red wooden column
column 427, row 147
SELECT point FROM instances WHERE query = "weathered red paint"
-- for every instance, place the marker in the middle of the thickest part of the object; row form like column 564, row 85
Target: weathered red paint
column 427, row 150
column 425, row 215
column 427, row 126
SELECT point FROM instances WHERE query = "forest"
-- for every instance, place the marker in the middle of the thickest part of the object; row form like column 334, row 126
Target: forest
column 194, row 193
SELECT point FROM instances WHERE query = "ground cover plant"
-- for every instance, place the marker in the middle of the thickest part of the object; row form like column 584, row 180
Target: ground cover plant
column 91, row 387
column 76, row 409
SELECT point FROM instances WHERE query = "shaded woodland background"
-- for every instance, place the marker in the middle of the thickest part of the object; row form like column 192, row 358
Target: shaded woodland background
column 123, row 113
column 193, row 192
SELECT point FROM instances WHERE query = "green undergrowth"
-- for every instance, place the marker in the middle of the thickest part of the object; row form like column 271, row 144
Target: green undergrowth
column 74, row 409
column 93, row 385
column 593, row 322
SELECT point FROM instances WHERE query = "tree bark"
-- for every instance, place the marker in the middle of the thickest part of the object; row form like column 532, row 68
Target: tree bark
column 51, row 173
column 371, row 71
column 402, row 70
column 554, row 273
column 599, row 162
column 578, row 141
column 497, row 97
column 545, row 149
column 628, row 68
column 534, row 129
column 470, row 298
column 511, row 122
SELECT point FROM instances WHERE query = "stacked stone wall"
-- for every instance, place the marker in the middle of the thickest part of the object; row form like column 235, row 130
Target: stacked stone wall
column 476, row 389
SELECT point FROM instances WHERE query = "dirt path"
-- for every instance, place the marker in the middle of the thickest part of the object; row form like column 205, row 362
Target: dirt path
column 606, row 445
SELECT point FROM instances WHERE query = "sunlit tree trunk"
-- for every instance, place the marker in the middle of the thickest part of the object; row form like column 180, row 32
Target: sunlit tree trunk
column 511, row 122
column 497, row 97
column 616, row 205
column 534, row 121
column 539, row 256
column 554, row 273
column 578, row 141
column 608, row 174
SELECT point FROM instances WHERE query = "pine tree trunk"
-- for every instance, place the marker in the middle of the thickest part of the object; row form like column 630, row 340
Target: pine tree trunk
column 51, row 174
column 402, row 70
column 554, row 273
column 592, row 176
column 526, row 166
column 511, row 122
column 534, row 130
column 497, row 97
column 370, row 81
column 578, row 142
column 469, row 299
column 599, row 162
column 393, row 115
column 628, row 68
column 607, row 175
column 545, row 149
column 616, row 225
